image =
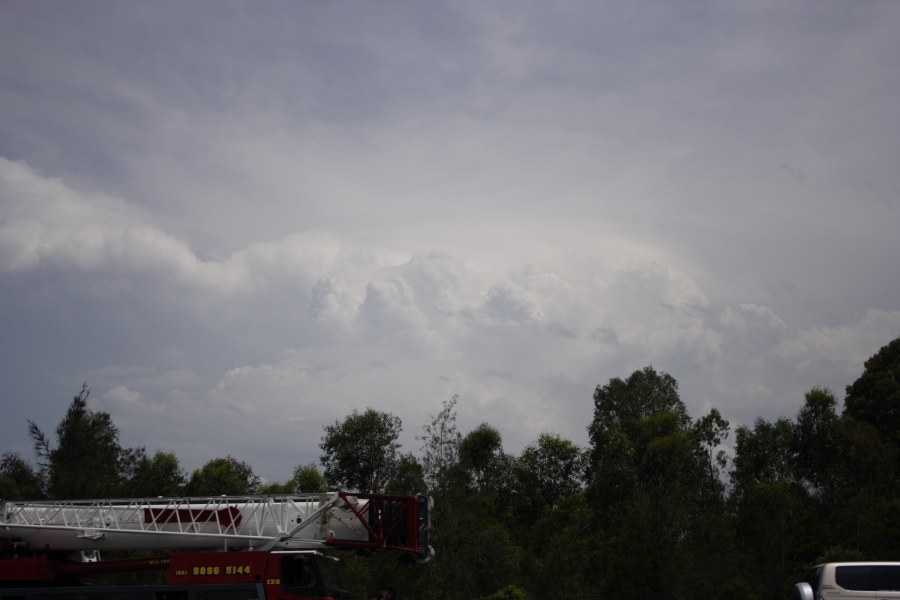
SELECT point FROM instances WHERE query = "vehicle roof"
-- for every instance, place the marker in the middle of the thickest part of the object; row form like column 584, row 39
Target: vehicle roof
column 857, row 563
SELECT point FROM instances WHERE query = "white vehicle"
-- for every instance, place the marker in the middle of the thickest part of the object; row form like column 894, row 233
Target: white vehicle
column 851, row 581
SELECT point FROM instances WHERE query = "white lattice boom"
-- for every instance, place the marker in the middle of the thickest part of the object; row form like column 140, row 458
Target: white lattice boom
column 257, row 522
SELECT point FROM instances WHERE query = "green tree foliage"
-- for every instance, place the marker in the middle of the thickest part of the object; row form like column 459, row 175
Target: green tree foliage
column 440, row 445
column 866, row 516
column 874, row 398
column 769, row 502
column 309, row 480
column 472, row 531
column 819, row 441
column 484, row 465
column 620, row 405
column 18, row 481
column 736, row 589
column 510, row 592
column 228, row 476
column 653, row 484
column 409, row 478
column 709, row 433
column 361, row 453
column 870, row 496
column 563, row 555
column 476, row 545
column 764, row 454
column 159, row 475
column 558, row 468
column 548, row 471
column 709, row 530
column 658, row 505
column 88, row 461
column 275, row 488
column 824, row 480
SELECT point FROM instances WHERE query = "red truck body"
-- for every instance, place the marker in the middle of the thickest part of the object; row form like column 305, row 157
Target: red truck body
column 274, row 561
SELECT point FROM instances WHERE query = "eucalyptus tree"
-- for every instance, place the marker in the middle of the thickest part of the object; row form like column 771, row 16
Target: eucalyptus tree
column 484, row 466
column 472, row 532
column 772, row 508
column 361, row 453
column 440, row 445
column 651, row 481
column 871, row 455
column 547, row 472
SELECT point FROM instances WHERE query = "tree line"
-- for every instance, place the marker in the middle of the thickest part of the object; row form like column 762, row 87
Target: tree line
column 658, row 505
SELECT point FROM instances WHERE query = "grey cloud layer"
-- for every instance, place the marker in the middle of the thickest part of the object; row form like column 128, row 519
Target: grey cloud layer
column 324, row 326
column 239, row 225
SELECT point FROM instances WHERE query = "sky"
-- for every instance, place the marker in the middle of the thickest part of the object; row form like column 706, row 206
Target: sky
column 239, row 222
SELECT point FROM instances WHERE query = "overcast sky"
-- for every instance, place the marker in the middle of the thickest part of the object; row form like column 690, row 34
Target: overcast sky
column 239, row 221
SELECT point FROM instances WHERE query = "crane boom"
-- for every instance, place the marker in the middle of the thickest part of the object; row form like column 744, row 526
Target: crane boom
column 278, row 522
column 262, row 547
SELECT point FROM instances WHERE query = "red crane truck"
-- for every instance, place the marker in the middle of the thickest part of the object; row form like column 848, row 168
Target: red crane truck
column 219, row 548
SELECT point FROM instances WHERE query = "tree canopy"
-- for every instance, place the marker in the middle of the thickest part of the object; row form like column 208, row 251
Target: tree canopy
column 361, row 453
column 658, row 504
column 228, row 476
column 87, row 461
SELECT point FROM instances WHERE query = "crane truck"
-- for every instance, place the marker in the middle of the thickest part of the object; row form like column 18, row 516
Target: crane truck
column 216, row 548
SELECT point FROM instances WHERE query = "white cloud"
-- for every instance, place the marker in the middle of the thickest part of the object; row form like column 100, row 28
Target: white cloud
column 848, row 345
column 48, row 222
column 363, row 326
column 508, row 303
column 120, row 398
column 246, row 225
